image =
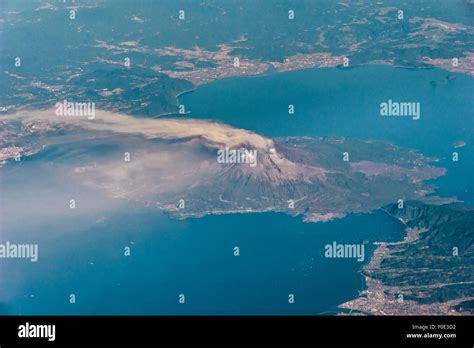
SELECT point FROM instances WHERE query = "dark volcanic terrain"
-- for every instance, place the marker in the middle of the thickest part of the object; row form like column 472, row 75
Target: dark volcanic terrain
column 175, row 160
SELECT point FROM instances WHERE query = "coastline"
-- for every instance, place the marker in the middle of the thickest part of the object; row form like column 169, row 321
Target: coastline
column 380, row 299
column 270, row 72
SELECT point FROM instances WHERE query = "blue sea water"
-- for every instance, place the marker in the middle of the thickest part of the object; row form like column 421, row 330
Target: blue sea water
column 82, row 252
column 346, row 102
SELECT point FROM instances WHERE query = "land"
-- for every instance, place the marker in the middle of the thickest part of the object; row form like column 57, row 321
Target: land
column 463, row 65
column 423, row 274
column 221, row 64
column 169, row 56
column 176, row 159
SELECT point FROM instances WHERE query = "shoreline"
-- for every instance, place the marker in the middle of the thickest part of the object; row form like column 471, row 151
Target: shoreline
column 376, row 299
